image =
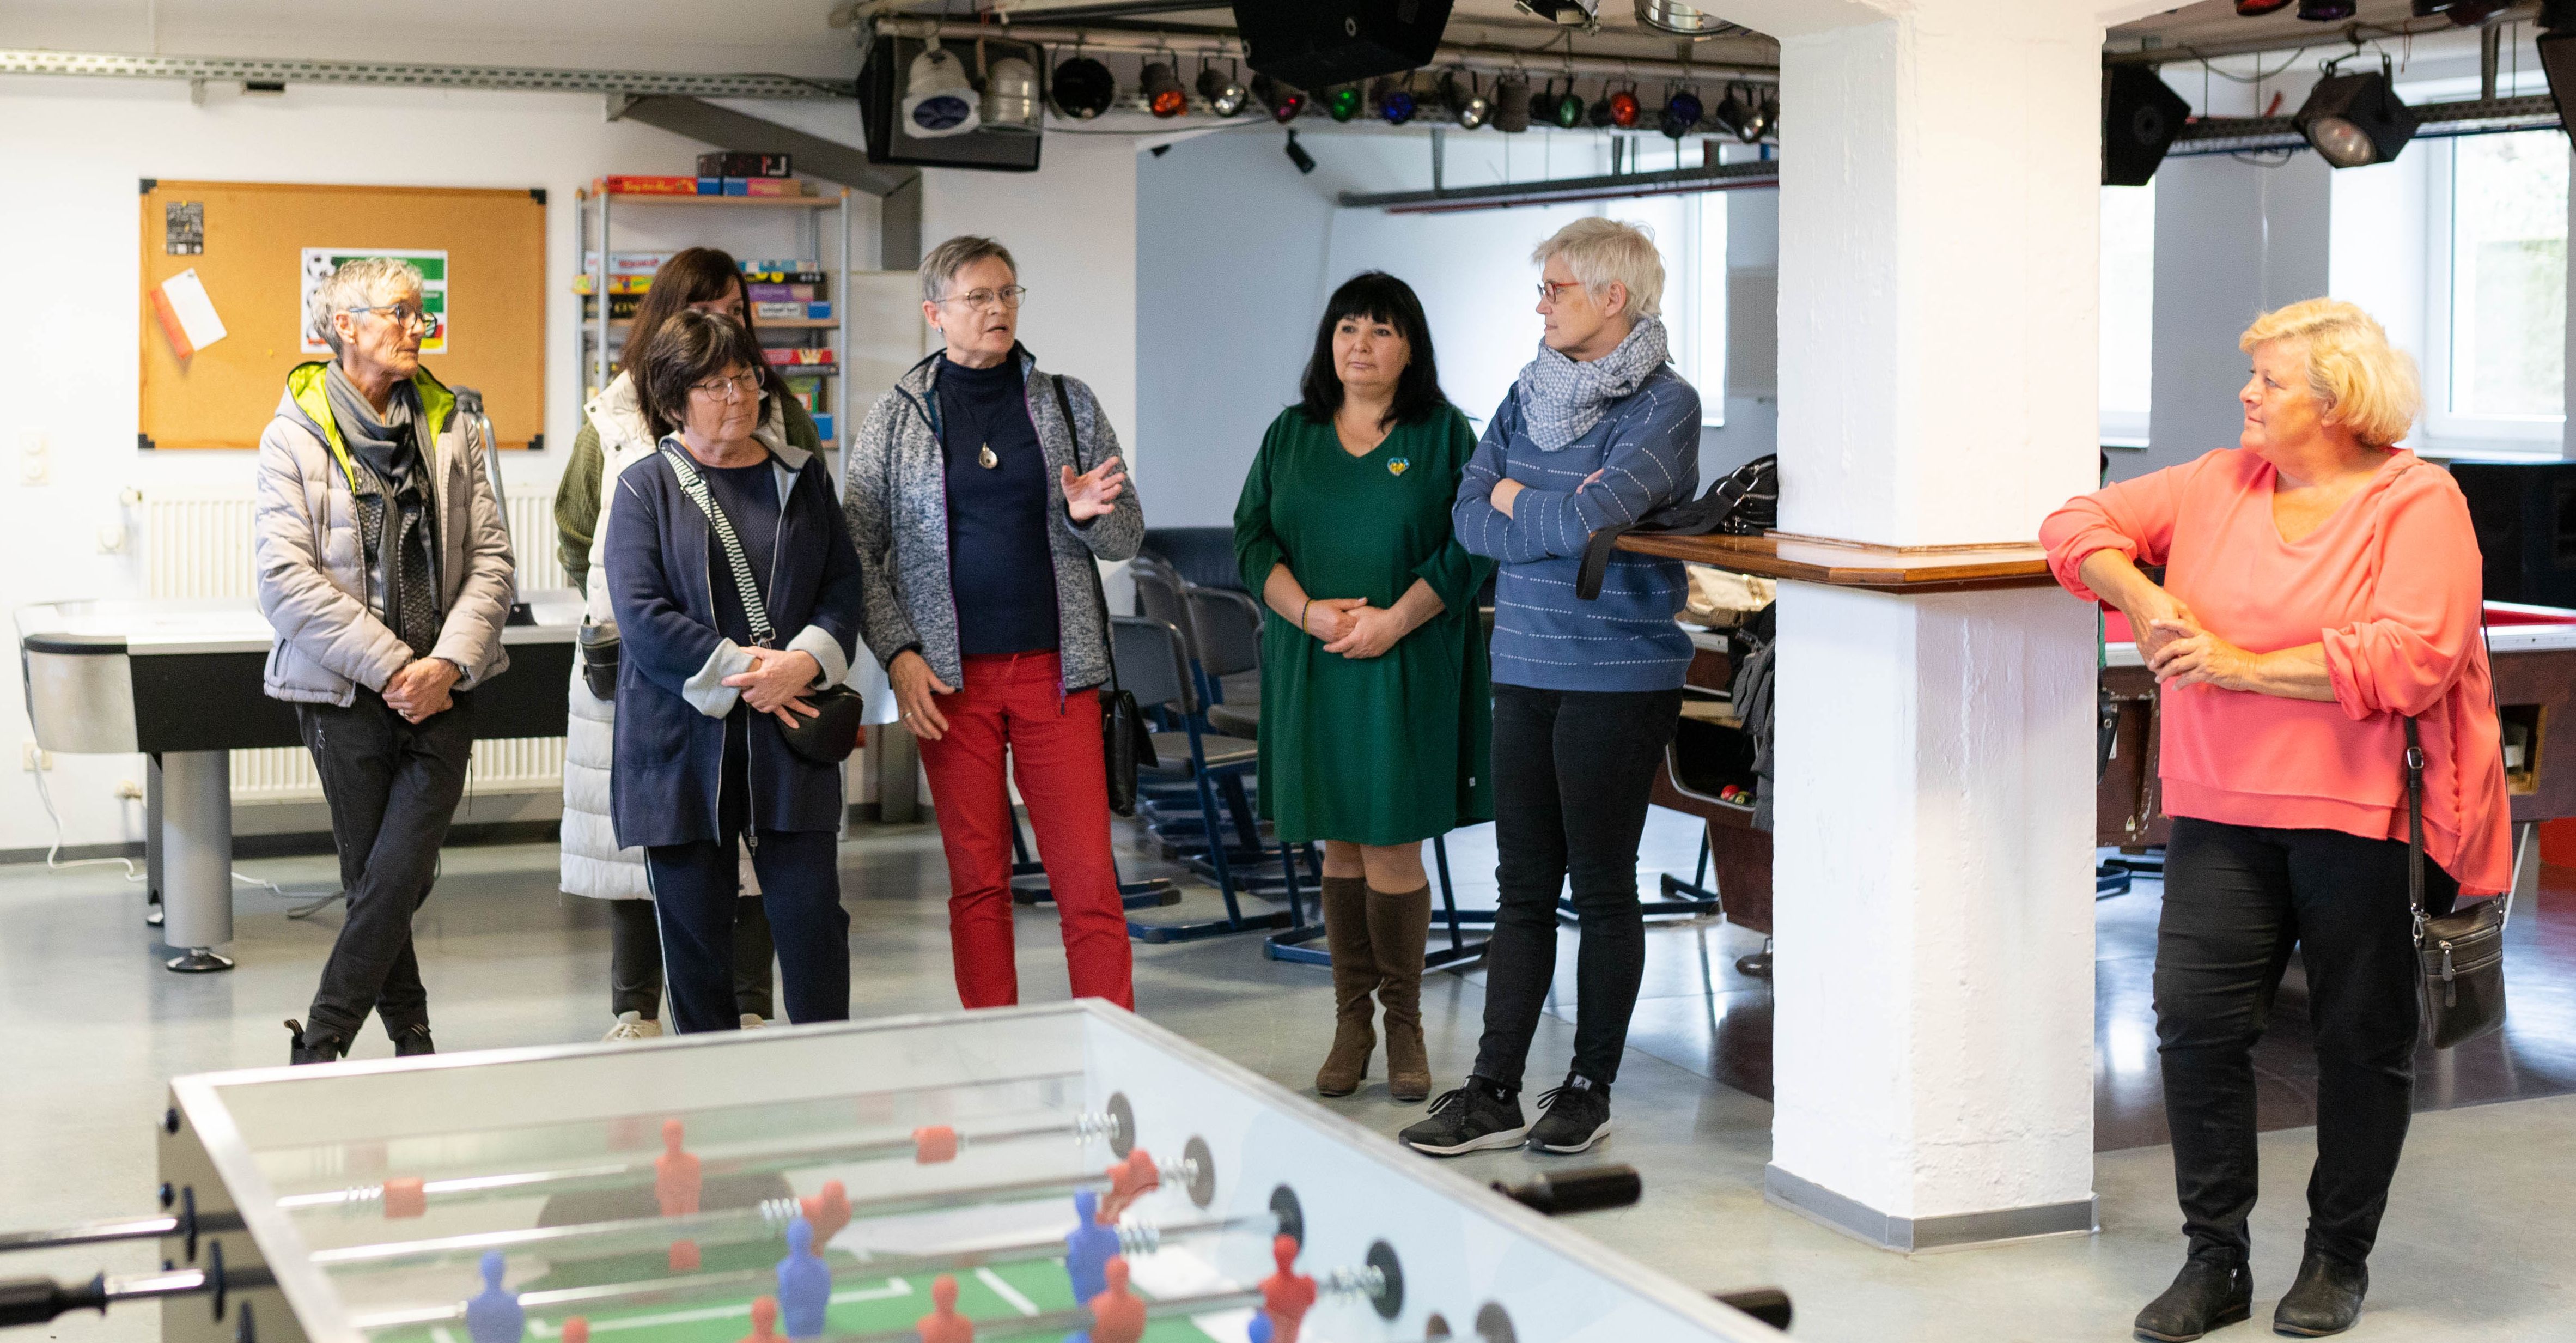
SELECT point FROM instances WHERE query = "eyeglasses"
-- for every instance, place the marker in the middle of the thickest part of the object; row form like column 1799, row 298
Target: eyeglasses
column 985, row 298
column 1547, row 291
column 725, row 389
column 403, row 315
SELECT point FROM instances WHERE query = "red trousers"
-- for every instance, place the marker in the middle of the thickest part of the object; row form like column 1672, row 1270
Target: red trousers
column 1013, row 703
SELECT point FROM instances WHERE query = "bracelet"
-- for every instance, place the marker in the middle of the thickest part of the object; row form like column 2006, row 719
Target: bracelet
column 1301, row 614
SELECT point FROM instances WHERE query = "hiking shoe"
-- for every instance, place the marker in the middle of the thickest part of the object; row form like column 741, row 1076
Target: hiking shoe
column 633, row 1026
column 1577, row 1115
column 413, row 1040
column 315, row 1046
column 1471, row 1118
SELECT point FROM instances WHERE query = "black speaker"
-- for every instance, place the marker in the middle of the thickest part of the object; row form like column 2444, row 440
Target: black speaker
column 1315, row 44
column 881, row 90
column 2525, row 513
column 2141, row 115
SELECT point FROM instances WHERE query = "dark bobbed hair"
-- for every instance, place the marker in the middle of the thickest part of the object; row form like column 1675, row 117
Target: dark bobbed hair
column 692, row 347
column 1379, row 297
column 696, row 275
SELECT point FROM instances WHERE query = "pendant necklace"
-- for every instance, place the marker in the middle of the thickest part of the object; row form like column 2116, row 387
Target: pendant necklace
column 986, row 459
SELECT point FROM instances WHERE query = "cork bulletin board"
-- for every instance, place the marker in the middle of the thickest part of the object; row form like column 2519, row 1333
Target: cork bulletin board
column 247, row 244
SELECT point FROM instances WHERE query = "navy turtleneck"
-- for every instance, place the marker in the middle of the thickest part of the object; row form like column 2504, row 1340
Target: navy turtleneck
column 999, row 565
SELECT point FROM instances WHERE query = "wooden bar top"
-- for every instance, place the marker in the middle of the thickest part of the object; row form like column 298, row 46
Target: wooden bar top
column 1851, row 564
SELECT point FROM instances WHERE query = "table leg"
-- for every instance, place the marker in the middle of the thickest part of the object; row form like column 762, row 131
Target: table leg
column 152, row 912
column 196, row 849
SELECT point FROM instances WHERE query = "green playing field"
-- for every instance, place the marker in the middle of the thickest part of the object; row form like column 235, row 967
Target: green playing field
column 994, row 1297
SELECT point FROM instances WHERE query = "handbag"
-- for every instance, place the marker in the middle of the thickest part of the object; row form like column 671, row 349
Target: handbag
column 599, row 658
column 1126, row 744
column 1746, row 503
column 2460, row 954
column 832, row 733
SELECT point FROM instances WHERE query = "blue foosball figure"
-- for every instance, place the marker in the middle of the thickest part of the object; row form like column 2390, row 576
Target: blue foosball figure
column 1088, row 1249
column 804, row 1284
column 493, row 1314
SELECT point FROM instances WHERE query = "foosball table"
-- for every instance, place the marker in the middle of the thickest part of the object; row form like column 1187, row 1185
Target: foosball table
column 1065, row 1172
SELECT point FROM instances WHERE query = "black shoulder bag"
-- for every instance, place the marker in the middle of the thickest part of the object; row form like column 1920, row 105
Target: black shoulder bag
column 829, row 736
column 1746, row 503
column 2461, row 953
column 1125, row 742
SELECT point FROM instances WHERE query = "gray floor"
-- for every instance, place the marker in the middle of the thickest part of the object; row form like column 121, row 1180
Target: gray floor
column 2477, row 1245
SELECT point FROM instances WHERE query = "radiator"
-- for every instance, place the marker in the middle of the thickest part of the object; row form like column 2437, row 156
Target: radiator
column 198, row 545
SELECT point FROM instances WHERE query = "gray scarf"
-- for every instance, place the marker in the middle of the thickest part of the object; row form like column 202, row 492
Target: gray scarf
column 393, row 501
column 1561, row 398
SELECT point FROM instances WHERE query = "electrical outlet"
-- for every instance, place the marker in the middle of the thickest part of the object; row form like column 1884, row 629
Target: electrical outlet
column 32, row 758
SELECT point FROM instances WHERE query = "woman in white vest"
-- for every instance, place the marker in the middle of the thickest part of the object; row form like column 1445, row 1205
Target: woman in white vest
column 615, row 435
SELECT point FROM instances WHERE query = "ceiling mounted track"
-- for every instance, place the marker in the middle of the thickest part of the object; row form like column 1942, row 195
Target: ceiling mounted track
column 1559, row 191
column 407, row 74
column 2484, row 116
column 1539, row 64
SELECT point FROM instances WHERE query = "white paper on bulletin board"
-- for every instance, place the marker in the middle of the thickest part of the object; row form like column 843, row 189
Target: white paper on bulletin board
column 319, row 262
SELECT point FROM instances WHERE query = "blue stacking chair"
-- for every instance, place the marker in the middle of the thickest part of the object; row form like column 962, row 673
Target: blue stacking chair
column 1153, row 665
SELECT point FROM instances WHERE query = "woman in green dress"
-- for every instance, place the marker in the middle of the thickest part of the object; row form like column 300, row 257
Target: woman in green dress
column 1376, row 711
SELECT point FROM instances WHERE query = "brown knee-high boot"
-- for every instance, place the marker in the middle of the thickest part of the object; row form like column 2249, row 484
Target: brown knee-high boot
column 1355, row 976
column 1399, row 925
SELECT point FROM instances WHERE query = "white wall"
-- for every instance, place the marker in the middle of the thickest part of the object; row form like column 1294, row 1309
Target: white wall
column 72, row 150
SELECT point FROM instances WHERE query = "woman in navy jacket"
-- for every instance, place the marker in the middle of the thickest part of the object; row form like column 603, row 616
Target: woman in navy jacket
column 700, row 756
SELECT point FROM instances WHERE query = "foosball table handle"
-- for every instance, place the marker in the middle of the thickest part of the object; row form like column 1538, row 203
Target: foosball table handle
column 38, row 1300
column 1770, row 1305
column 1577, row 1191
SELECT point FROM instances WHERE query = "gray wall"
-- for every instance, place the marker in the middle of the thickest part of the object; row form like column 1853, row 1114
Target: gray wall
column 1230, row 243
column 2232, row 241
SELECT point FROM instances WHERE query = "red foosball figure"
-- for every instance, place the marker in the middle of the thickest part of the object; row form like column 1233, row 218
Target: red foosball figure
column 675, row 1173
column 1117, row 1315
column 764, row 1321
column 1286, row 1295
column 943, row 1324
column 1129, row 1180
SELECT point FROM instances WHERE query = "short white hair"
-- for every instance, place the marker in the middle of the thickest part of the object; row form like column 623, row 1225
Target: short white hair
column 369, row 281
column 1601, row 252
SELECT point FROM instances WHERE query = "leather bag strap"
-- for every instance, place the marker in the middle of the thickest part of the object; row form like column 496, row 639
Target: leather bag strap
column 1108, row 634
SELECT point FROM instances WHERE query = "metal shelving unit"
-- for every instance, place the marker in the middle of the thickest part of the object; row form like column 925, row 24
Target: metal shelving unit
column 592, row 342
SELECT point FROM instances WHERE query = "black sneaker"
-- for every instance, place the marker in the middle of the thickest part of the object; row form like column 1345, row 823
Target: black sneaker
column 1470, row 1118
column 413, row 1039
column 1577, row 1116
column 315, row 1046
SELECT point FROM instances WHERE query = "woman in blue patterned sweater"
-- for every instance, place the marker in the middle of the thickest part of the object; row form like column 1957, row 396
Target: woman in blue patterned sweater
column 1596, row 432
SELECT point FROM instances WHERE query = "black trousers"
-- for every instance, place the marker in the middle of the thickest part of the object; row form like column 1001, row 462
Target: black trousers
column 1572, row 774
column 635, row 958
column 392, row 787
column 2237, row 899
column 697, row 898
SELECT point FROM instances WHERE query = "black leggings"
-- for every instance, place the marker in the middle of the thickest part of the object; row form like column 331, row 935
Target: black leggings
column 635, row 959
column 1573, row 770
column 2237, row 899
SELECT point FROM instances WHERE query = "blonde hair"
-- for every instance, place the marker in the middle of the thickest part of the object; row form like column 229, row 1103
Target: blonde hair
column 1601, row 252
column 2359, row 380
column 365, row 282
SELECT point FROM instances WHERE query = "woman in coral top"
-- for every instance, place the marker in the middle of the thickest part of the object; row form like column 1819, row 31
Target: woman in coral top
column 2320, row 587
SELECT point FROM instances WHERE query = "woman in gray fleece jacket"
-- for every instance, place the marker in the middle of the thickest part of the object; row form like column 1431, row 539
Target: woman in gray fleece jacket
column 981, row 495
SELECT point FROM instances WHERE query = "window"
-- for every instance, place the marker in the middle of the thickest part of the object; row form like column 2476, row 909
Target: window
column 2499, row 277
column 2128, row 312
column 1690, row 232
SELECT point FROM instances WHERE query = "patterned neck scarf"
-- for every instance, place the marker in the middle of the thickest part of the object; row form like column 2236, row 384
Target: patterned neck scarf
column 1561, row 398
column 393, row 503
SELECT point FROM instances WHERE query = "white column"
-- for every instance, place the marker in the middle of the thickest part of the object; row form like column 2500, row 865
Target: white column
column 1939, row 303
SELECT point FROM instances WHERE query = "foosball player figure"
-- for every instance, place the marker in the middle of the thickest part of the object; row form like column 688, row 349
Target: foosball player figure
column 576, row 1329
column 943, row 1324
column 1088, row 1249
column 1129, row 1180
column 675, row 1173
column 684, row 1256
column 764, row 1321
column 1286, row 1295
column 493, row 1314
column 1117, row 1315
column 828, row 1211
column 804, row 1283
column 933, row 1144
column 1258, row 1330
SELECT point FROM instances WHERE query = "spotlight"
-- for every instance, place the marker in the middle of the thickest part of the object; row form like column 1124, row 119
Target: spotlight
column 1011, row 102
column 1285, row 103
column 2326, row 11
column 1224, row 96
column 2141, row 114
column 1568, row 112
column 1084, row 88
column 1344, row 101
column 937, row 98
column 2355, row 120
column 1625, row 109
column 1466, row 102
column 1585, row 14
column 2247, row 9
column 1297, row 155
column 1602, row 114
column 1681, row 112
column 1749, row 111
column 1164, row 96
column 1512, row 104
column 1395, row 101
column 1681, row 20
column 2557, row 45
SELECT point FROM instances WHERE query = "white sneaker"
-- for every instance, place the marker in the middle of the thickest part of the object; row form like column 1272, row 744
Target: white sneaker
column 751, row 1021
column 633, row 1026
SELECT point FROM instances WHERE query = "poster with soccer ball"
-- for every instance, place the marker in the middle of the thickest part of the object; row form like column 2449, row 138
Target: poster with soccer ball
column 319, row 262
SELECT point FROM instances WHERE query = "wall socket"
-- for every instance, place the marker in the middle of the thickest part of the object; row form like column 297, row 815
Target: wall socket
column 32, row 758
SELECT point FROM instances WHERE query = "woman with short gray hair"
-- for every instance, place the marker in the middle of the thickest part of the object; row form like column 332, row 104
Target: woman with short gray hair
column 981, row 494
